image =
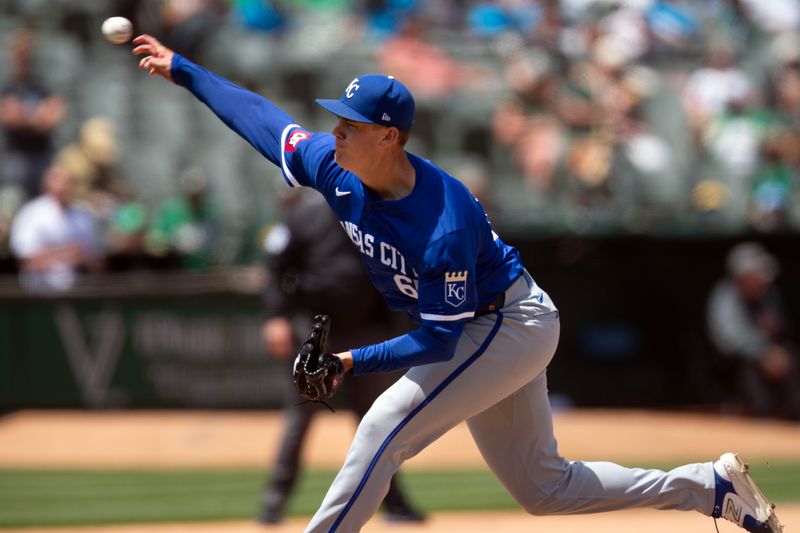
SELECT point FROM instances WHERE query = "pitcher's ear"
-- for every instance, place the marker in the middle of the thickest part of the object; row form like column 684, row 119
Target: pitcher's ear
column 391, row 134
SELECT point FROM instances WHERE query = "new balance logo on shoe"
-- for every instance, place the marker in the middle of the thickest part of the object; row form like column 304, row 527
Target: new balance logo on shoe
column 732, row 511
column 739, row 500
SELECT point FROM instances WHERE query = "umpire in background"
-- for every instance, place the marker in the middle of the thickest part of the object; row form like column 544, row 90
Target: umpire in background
column 314, row 268
column 747, row 323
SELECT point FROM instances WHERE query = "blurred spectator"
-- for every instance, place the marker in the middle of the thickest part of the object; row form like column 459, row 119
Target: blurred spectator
column 602, row 104
column 710, row 198
column 603, row 89
column 729, row 19
column 190, row 24
column 527, row 122
column 314, row 268
column 29, row 114
column 658, row 193
column 11, row 198
column 91, row 158
column 488, row 19
column 259, row 15
column 186, row 225
column 429, row 63
column 629, row 28
column 125, row 231
column 786, row 90
column 427, row 70
column 733, row 139
column 772, row 186
column 424, row 67
column 384, row 18
column 775, row 16
column 713, row 86
column 747, row 322
column 53, row 238
column 674, row 25
column 91, row 161
column 591, row 191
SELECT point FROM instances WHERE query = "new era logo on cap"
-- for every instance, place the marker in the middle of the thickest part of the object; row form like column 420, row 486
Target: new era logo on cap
column 377, row 99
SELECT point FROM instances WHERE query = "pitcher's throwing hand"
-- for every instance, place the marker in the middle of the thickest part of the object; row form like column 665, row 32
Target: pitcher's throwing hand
column 158, row 58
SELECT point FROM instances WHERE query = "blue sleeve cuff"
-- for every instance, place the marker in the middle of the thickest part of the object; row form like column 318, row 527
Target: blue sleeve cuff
column 179, row 76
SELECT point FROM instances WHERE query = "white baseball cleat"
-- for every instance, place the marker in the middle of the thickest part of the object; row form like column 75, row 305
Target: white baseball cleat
column 738, row 498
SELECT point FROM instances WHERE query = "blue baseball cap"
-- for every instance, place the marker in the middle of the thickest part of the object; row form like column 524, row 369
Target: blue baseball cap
column 376, row 99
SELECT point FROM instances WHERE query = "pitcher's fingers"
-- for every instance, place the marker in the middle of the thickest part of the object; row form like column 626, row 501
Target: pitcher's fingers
column 143, row 49
column 155, row 62
column 159, row 62
column 145, row 38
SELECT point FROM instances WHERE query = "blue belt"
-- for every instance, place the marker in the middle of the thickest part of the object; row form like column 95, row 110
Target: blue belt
column 497, row 302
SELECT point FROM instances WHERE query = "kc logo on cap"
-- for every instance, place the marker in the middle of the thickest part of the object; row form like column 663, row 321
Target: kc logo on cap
column 376, row 99
column 352, row 88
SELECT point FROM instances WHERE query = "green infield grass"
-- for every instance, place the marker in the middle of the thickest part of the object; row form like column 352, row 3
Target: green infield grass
column 83, row 497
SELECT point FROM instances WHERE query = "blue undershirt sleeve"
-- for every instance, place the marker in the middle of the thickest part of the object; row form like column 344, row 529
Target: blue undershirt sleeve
column 253, row 117
column 427, row 344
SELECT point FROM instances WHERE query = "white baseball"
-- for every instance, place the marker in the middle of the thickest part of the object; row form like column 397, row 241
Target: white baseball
column 117, row 30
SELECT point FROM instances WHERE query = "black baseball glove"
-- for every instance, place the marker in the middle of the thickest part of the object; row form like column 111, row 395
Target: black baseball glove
column 317, row 374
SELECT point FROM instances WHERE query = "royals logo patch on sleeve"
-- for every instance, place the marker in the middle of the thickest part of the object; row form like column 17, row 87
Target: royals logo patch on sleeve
column 294, row 139
column 455, row 288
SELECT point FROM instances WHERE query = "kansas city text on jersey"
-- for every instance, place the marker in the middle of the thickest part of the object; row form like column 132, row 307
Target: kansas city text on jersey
column 389, row 256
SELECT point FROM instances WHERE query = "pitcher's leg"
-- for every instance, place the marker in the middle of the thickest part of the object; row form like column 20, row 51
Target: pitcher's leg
column 364, row 390
column 516, row 439
column 423, row 405
column 387, row 435
column 494, row 358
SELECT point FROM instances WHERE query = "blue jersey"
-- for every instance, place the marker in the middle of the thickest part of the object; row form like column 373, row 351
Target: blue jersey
column 432, row 254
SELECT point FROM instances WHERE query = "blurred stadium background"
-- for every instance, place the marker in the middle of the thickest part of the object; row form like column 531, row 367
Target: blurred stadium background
column 624, row 146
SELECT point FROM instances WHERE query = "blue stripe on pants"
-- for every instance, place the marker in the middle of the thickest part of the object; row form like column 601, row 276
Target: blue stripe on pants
column 449, row 379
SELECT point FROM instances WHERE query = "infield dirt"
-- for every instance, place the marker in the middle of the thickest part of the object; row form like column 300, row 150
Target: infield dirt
column 248, row 439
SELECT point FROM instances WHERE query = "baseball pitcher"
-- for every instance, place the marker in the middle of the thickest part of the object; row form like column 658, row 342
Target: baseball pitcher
column 486, row 330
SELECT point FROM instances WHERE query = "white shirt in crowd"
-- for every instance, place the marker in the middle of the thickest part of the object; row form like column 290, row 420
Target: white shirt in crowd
column 44, row 223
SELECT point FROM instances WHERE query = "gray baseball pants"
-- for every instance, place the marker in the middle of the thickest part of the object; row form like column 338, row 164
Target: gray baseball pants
column 497, row 382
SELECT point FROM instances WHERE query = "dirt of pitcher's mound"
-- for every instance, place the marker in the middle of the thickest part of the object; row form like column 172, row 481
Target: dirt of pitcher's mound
column 119, row 439
column 165, row 439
